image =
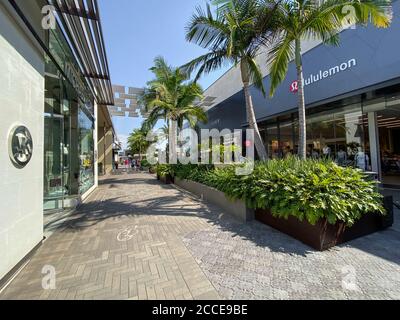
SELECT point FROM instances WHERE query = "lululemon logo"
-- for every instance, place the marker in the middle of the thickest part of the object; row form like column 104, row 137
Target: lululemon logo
column 294, row 87
column 20, row 146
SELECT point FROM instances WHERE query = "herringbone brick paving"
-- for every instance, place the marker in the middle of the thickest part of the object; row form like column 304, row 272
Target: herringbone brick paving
column 138, row 239
column 125, row 243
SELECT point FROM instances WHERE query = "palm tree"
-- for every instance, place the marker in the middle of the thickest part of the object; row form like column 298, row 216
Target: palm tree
column 305, row 19
column 172, row 97
column 137, row 141
column 234, row 34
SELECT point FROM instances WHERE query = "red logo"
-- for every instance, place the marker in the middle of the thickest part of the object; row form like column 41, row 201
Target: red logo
column 294, row 87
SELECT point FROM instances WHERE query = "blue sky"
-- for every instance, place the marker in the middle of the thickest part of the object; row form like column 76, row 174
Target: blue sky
column 136, row 32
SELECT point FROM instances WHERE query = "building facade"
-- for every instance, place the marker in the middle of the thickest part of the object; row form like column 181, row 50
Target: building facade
column 352, row 94
column 54, row 92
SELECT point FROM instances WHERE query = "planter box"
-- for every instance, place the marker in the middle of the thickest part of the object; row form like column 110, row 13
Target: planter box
column 166, row 179
column 323, row 235
column 236, row 208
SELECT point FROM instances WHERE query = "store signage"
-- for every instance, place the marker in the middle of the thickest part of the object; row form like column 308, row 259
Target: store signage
column 324, row 74
column 294, row 87
column 20, row 146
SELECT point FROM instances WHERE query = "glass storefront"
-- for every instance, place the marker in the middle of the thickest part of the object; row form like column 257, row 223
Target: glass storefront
column 336, row 133
column 361, row 131
column 53, row 128
column 339, row 134
column 69, row 126
column 386, row 112
column 86, row 152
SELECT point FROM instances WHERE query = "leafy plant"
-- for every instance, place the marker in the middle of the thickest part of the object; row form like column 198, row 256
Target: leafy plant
column 145, row 164
column 306, row 189
column 164, row 170
column 322, row 20
column 172, row 97
column 233, row 32
column 137, row 141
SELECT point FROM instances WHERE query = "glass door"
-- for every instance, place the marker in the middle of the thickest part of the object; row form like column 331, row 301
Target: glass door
column 53, row 167
column 53, row 140
column 388, row 121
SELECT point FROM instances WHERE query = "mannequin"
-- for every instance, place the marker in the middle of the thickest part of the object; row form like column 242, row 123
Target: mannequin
column 361, row 160
column 326, row 151
column 341, row 157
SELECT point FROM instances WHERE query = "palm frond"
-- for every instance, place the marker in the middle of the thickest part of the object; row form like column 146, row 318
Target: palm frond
column 281, row 55
column 206, row 63
column 256, row 76
column 207, row 30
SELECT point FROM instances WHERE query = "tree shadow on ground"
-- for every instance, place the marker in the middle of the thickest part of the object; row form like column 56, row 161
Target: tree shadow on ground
column 381, row 244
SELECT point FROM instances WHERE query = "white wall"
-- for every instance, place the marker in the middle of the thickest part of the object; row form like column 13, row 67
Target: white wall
column 21, row 102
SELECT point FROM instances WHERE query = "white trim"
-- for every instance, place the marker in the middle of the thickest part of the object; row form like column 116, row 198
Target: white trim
column 96, row 147
column 88, row 193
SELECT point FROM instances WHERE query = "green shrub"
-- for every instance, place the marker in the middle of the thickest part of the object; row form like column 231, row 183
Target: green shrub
column 145, row 164
column 307, row 189
column 164, row 170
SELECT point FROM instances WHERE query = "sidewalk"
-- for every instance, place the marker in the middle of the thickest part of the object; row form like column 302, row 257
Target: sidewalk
column 138, row 239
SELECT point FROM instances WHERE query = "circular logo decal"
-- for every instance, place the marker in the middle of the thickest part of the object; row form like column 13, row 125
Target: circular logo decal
column 294, row 87
column 20, row 146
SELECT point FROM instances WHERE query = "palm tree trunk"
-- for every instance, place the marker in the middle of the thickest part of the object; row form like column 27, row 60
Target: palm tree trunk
column 301, row 103
column 251, row 117
column 172, row 142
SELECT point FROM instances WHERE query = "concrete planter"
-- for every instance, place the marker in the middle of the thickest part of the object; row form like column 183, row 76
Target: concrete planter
column 323, row 235
column 236, row 208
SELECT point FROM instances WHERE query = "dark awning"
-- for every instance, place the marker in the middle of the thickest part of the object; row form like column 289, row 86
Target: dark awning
column 80, row 20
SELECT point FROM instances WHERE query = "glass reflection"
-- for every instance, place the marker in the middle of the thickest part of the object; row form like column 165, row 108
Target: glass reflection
column 86, row 152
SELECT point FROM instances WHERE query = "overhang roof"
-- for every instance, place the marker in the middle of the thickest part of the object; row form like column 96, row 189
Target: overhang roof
column 80, row 20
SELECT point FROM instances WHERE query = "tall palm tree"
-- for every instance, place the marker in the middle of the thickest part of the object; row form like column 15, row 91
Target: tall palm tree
column 305, row 19
column 172, row 97
column 137, row 141
column 233, row 34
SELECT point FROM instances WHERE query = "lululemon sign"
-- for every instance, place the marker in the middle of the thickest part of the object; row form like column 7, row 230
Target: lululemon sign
column 324, row 74
column 294, row 87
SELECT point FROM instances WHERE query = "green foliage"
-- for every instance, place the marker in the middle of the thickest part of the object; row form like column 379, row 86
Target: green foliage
column 322, row 20
column 307, row 189
column 233, row 32
column 137, row 141
column 164, row 170
column 171, row 96
column 145, row 164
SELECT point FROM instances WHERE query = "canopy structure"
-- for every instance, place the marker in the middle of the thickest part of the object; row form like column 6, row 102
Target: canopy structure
column 126, row 102
column 80, row 20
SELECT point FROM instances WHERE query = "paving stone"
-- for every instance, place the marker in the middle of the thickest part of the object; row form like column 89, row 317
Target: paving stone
column 138, row 239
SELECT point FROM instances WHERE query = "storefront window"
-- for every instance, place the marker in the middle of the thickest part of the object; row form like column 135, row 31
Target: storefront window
column 384, row 114
column 320, row 135
column 286, row 143
column 272, row 134
column 337, row 132
column 70, row 149
column 351, row 138
column 69, row 145
column 86, row 152
column 53, row 127
column 61, row 162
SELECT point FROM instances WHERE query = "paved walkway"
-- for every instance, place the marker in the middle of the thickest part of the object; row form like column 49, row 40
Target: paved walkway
column 138, row 239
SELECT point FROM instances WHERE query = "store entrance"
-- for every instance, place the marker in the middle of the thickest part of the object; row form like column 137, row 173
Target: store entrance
column 389, row 141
